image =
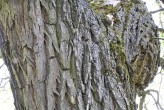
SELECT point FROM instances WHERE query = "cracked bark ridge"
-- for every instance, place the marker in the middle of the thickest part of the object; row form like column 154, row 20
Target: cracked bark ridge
column 62, row 57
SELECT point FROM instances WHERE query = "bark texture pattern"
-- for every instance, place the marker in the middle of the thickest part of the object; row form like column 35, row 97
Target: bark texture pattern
column 61, row 55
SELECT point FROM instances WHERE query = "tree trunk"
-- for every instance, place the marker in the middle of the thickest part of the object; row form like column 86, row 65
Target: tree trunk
column 62, row 56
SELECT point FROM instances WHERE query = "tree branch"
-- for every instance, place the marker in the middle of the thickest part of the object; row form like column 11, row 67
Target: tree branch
column 161, row 30
column 162, row 1
column 158, row 38
column 159, row 10
column 157, row 103
column 142, row 99
column 148, row 92
column 162, row 63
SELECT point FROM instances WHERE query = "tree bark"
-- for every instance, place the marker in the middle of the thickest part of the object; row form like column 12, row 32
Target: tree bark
column 62, row 56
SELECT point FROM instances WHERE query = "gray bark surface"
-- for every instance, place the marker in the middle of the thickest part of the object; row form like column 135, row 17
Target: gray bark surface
column 62, row 56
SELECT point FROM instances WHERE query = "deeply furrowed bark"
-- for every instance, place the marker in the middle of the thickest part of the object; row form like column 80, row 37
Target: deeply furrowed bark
column 61, row 56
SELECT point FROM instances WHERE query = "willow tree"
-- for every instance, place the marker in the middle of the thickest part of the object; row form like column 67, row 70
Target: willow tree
column 63, row 56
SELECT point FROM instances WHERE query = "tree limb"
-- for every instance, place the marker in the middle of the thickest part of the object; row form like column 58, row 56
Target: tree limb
column 161, row 30
column 159, row 10
column 156, row 100
column 162, row 1
column 158, row 38
column 148, row 92
column 162, row 63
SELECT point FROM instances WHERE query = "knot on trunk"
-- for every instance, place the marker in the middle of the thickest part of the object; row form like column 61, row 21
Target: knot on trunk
column 134, row 33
